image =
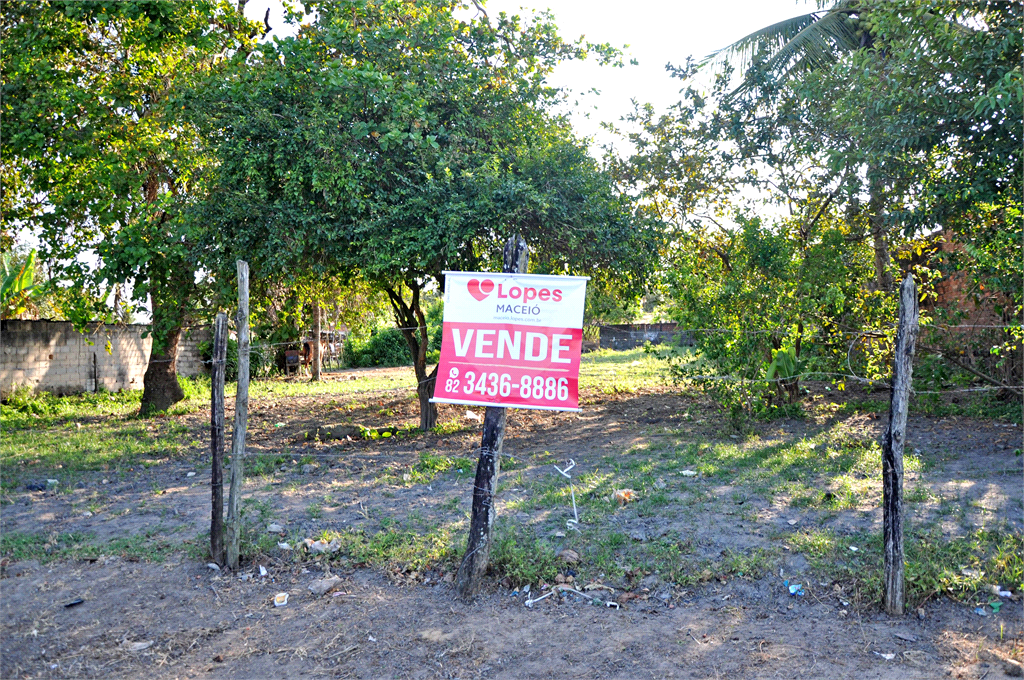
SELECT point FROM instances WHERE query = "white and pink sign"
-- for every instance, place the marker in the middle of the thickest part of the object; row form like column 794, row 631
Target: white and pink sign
column 511, row 340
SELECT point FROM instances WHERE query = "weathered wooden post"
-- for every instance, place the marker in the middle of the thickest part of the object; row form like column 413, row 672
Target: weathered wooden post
column 220, row 337
column 478, row 551
column 892, row 448
column 241, row 417
column 317, row 358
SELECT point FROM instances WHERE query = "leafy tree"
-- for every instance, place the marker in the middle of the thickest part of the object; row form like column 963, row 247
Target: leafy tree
column 909, row 104
column 100, row 153
column 394, row 141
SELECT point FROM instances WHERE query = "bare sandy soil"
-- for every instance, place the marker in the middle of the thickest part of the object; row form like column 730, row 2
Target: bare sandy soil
column 180, row 619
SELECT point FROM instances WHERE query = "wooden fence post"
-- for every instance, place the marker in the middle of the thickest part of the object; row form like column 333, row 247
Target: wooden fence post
column 478, row 551
column 220, row 337
column 892, row 448
column 241, row 417
column 317, row 358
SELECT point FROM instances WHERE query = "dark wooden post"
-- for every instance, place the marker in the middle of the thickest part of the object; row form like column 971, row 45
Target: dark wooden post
column 220, row 338
column 241, row 417
column 478, row 551
column 317, row 358
column 892, row 448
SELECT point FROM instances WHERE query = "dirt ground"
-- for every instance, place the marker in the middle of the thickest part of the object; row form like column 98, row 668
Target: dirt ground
column 180, row 619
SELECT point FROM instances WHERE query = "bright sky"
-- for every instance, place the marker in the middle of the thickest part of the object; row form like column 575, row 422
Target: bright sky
column 657, row 32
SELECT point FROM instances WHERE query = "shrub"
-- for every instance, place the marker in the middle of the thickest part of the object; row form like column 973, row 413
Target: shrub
column 385, row 347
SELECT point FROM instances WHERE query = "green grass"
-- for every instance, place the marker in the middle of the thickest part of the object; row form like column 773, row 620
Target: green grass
column 400, row 546
column 429, row 466
column 609, row 371
column 153, row 545
column 935, row 564
column 111, row 443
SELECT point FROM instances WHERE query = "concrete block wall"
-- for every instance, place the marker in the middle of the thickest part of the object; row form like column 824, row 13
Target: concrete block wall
column 189, row 361
column 50, row 356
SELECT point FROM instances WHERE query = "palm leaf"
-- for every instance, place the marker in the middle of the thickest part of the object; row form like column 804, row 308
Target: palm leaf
column 742, row 53
column 793, row 46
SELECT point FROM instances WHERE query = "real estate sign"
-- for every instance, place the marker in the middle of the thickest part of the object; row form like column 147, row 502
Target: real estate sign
column 511, row 340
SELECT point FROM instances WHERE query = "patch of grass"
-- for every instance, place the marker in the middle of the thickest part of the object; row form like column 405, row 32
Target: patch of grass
column 429, row 466
column 518, row 554
column 396, row 546
column 110, row 443
column 611, row 371
column 369, row 381
column 450, row 427
column 959, row 568
column 151, row 545
column 315, row 510
column 261, row 465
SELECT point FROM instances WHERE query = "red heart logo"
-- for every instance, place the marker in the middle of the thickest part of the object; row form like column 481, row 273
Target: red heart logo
column 480, row 289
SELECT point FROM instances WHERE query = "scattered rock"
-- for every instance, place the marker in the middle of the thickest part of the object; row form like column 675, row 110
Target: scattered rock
column 660, row 483
column 638, row 535
column 219, row 658
column 321, row 547
column 906, row 637
column 688, row 473
column 138, row 646
column 623, row 496
column 420, row 446
column 105, row 481
column 275, row 529
column 471, row 416
column 560, row 578
column 281, row 599
column 190, row 474
column 86, row 514
column 324, row 586
column 308, row 468
column 569, row 556
column 920, row 613
column 284, row 546
column 213, row 566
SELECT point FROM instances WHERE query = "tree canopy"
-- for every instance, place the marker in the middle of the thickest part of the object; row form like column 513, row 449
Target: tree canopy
column 394, row 141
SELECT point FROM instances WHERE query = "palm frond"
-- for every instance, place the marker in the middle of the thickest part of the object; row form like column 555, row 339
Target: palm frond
column 793, row 46
column 768, row 39
column 820, row 44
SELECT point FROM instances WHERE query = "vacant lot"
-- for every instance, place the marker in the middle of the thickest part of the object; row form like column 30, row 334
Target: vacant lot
column 722, row 515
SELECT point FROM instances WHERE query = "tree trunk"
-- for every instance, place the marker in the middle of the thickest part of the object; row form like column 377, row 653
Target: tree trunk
column 409, row 317
column 425, row 391
column 316, row 368
column 879, row 235
column 160, row 384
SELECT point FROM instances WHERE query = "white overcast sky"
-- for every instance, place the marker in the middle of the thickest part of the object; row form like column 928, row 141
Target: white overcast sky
column 657, row 32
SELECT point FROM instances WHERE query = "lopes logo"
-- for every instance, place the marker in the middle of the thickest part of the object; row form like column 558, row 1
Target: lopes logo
column 481, row 289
